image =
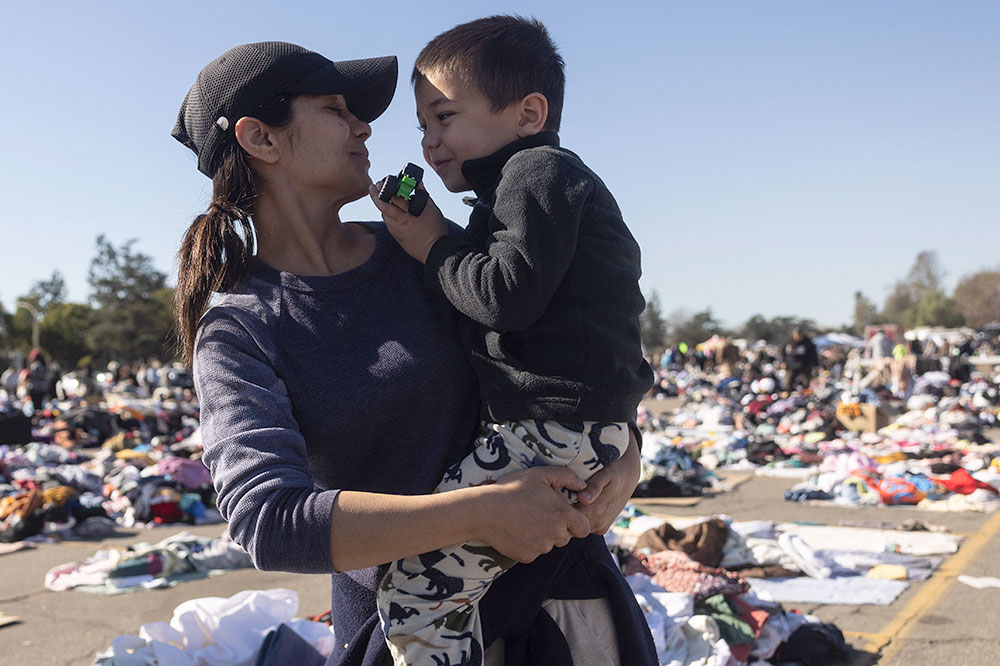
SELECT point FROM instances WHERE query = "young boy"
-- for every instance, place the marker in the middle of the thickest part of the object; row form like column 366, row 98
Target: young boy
column 546, row 275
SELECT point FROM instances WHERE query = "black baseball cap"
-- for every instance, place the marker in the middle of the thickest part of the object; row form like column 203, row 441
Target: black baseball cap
column 245, row 78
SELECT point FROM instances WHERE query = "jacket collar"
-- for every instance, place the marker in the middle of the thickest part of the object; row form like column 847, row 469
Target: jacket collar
column 483, row 172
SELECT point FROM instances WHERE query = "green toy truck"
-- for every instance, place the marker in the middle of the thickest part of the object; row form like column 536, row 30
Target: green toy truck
column 405, row 185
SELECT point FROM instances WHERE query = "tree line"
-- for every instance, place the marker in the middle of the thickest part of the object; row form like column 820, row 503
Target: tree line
column 917, row 299
column 127, row 317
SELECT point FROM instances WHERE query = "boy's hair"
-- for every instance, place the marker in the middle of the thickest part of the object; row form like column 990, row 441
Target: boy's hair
column 505, row 57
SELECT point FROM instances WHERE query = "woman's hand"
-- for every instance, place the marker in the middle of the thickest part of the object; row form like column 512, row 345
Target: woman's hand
column 415, row 235
column 609, row 489
column 524, row 515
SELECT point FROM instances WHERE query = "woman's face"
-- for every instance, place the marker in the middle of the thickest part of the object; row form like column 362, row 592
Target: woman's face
column 324, row 148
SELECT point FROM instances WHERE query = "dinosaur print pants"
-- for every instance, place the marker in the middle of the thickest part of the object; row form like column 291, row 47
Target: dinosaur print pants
column 429, row 604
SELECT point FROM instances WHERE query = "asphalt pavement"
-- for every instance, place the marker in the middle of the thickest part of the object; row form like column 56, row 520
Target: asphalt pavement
column 938, row 621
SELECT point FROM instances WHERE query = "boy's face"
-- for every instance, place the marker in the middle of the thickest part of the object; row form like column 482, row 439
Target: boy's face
column 459, row 125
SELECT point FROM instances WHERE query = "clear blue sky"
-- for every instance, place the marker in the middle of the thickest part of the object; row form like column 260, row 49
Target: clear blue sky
column 770, row 157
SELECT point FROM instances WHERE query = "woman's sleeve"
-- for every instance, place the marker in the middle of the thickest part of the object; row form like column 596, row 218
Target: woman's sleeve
column 255, row 452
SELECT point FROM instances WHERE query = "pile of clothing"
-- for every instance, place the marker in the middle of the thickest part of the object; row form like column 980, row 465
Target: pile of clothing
column 177, row 558
column 713, row 589
column 668, row 471
column 88, row 469
column 935, row 449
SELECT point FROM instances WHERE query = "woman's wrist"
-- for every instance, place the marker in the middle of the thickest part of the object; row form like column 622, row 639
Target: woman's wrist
column 368, row 529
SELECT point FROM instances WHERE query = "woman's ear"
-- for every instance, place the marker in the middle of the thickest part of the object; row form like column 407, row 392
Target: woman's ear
column 257, row 139
column 534, row 113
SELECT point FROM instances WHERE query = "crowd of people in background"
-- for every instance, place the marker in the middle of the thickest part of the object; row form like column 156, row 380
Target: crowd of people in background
column 31, row 384
column 883, row 359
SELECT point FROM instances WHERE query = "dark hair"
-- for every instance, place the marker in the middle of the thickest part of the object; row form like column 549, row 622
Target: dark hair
column 505, row 57
column 214, row 256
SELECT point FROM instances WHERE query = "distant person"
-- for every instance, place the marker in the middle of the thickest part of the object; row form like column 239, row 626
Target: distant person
column 680, row 355
column 959, row 367
column 727, row 356
column 8, row 382
column 879, row 345
column 902, row 369
column 701, row 359
column 37, row 379
column 800, row 360
column 832, row 359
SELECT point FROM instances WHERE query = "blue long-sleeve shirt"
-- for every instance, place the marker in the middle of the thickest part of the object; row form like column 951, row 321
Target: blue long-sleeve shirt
column 310, row 385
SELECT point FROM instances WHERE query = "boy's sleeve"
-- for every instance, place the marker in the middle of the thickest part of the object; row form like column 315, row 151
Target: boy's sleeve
column 508, row 284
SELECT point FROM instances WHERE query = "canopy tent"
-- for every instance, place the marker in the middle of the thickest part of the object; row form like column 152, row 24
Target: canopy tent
column 841, row 339
column 713, row 342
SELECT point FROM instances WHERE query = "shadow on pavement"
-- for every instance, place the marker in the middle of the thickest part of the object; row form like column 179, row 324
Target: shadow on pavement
column 859, row 658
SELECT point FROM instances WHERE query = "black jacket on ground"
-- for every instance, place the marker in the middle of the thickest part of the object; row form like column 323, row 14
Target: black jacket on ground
column 548, row 279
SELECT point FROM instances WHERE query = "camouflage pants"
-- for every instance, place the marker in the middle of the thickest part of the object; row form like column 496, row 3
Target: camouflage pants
column 428, row 604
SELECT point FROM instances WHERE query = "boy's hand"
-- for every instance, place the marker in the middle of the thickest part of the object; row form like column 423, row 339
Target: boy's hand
column 609, row 489
column 415, row 235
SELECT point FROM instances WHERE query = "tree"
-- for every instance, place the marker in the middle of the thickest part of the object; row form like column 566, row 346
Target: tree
column 937, row 309
column 693, row 329
column 19, row 330
column 120, row 275
column 63, row 332
column 925, row 275
column 653, row 328
column 133, row 308
column 45, row 293
column 783, row 327
column 778, row 329
column 903, row 305
column 756, row 327
column 899, row 306
column 977, row 297
column 865, row 312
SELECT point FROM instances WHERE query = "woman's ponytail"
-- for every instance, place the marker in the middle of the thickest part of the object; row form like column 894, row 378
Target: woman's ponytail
column 214, row 255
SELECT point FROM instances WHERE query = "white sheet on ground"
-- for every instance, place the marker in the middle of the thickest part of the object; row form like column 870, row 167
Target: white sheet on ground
column 849, row 590
column 822, row 537
column 980, row 582
column 917, row 568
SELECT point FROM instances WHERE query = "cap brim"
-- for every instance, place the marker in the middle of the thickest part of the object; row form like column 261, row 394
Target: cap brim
column 367, row 85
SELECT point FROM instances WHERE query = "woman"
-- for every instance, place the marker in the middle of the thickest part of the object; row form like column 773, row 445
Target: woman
column 334, row 392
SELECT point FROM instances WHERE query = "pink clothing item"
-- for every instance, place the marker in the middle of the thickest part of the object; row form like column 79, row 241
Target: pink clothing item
column 192, row 474
column 674, row 571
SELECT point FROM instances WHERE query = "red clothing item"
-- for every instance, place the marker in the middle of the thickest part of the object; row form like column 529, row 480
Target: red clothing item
column 962, row 482
column 166, row 513
column 755, row 617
